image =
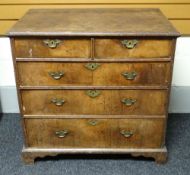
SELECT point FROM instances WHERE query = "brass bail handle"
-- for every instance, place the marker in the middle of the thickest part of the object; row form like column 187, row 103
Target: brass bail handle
column 128, row 101
column 57, row 75
column 93, row 122
column 58, row 102
column 129, row 44
column 126, row 133
column 62, row 133
column 52, row 43
column 130, row 75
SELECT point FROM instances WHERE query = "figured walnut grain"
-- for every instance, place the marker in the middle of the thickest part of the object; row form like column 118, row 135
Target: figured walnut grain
column 148, row 102
column 35, row 48
column 106, row 74
column 93, row 22
column 113, row 48
column 147, row 133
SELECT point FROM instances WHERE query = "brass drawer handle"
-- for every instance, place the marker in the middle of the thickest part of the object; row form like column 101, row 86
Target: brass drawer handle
column 52, row 43
column 58, row 102
column 129, row 75
column 62, row 133
column 129, row 44
column 56, row 75
column 126, row 133
column 93, row 93
column 92, row 66
column 93, row 122
column 128, row 101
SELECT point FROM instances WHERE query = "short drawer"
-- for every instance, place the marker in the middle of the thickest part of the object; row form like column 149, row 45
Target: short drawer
column 132, row 48
column 94, row 102
column 94, row 133
column 94, row 74
column 52, row 48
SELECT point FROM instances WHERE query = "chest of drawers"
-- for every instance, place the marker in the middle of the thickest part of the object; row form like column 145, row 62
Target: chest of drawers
column 93, row 81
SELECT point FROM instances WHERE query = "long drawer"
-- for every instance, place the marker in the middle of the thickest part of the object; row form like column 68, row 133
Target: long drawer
column 96, row 74
column 52, row 48
column 94, row 133
column 132, row 48
column 95, row 102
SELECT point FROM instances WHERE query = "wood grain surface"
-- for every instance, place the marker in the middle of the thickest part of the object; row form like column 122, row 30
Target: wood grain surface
column 93, row 22
column 68, row 48
column 148, row 102
column 106, row 74
column 147, row 133
column 100, row 110
column 113, row 48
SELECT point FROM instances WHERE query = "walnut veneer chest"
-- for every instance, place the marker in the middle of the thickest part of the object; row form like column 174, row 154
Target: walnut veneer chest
column 93, row 81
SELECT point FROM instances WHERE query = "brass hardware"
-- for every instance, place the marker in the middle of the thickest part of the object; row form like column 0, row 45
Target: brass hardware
column 93, row 122
column 62, row 133
column 56, row 75
column 92, row 66
column 52, row 43
column 128, row 101
column 93, row 93
column 129, row 75
column 58, row 102
column 129, row 44
column 126, row 134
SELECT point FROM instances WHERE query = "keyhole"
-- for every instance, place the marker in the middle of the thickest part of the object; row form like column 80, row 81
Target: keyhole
column 130, row 43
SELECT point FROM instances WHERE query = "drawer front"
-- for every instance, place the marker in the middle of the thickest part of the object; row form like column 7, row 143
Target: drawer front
column 115, row 48
column 96, row 74
column 52, row 48
column 94, row 102
column 66, row 133
column 94, row 133
column 138, row 133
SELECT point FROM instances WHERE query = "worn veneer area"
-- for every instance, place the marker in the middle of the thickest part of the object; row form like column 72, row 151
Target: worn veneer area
column 93, row 81
column 102, row 74
column 143, row 48
column 95, row 133
column 52, row 48
column 94, row 102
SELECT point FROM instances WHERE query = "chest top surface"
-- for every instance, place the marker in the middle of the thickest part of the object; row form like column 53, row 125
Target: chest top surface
column 93, row 22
